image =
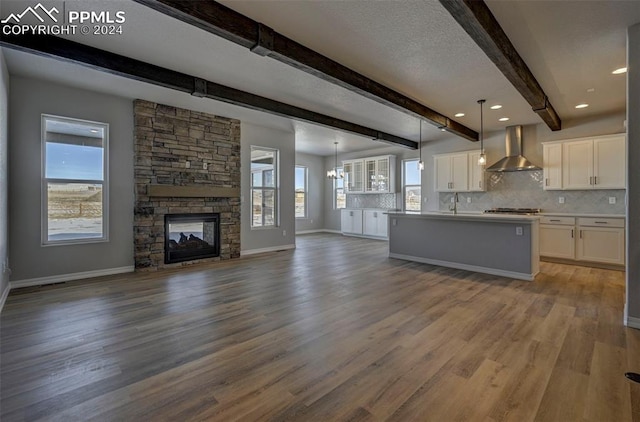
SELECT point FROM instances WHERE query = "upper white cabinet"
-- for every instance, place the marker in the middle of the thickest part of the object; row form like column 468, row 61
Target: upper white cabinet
column 595, row 163
column 370, row 175
column 458, row 172
column 476, row 173
column 552, row 172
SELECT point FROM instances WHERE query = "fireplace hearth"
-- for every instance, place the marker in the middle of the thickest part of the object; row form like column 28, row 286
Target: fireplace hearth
column 191, row 236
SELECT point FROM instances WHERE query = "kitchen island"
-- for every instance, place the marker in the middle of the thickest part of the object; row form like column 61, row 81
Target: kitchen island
column 498, row 244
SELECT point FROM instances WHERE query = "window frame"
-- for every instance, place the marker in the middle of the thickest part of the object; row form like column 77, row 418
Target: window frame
column 275, row 188
column 305, row 191
column 405, row 185
column 44, row 184
column 339, row 171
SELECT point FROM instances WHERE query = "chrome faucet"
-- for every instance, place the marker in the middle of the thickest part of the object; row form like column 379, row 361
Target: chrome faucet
column 454, row 206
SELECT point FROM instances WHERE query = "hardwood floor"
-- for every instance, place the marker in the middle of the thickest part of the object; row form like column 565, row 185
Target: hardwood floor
column 333, row 330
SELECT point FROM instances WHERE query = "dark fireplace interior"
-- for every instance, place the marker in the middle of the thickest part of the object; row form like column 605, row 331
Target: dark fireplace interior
column 191, row 236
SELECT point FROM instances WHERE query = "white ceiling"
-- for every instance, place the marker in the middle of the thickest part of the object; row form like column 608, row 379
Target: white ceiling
column 414, row 47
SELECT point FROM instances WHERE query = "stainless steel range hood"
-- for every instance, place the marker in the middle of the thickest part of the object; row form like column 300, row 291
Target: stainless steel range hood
column 514, row 161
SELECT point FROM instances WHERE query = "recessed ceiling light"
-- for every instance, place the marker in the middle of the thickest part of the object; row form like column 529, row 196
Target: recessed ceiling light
column 591, row 90
column 620, row 71
column 443, row 130
column 459, row 115
column 583, row 105
column 496, row 107
column 503, row 119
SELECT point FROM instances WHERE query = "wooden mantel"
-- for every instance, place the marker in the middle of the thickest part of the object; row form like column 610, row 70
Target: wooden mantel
column 192, row 191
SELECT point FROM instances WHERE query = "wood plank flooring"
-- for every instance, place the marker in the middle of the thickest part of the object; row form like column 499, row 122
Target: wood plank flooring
column 331, row 331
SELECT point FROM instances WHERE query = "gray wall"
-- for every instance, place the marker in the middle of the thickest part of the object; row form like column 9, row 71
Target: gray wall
column 252, row 239
column 28, row 100
column 316, row 177
column 633, row 174
column 4, row 172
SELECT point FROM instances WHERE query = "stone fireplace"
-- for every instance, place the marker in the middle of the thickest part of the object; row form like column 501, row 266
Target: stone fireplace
column 187, row 175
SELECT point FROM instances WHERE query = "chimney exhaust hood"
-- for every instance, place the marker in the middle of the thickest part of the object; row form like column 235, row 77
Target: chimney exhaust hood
column 514, row 161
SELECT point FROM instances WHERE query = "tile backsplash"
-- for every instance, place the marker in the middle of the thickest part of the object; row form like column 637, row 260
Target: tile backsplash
column 524, row 190
column 385, row 201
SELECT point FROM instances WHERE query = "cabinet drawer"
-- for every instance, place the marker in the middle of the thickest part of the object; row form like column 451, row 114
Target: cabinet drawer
column 565, row 221
column 601, row 222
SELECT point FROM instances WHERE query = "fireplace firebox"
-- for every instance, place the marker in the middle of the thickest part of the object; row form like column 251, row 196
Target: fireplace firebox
column 191, row 236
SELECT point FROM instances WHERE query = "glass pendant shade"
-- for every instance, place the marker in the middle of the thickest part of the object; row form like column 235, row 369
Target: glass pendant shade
column 333, row 173
column 482, row 160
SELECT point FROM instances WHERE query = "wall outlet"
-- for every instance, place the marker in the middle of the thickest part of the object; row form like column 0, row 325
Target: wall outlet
column 561, row 200
column 612, row 200
column 468, row 200
column 284, row 232
column 394, row 222
column 205, row 166
column 187, row 164
column 518, row 231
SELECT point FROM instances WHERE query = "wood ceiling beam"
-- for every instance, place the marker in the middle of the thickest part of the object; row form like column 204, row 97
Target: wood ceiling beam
column 70, row 51
column 477, row 20
column 224, row 22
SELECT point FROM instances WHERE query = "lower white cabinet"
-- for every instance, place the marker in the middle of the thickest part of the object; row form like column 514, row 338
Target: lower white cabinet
column 374, row 223
column 601, row 240
column 367, row 222
column 351, row 221
column 598, row 240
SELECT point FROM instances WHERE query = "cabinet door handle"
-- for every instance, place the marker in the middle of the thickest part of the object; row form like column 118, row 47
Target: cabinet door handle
column 595, row 180
column 572, row 233
column 480, row 184
column 546, row 181
column 375, row 215
column 557, row 221
column 580, row 234
column 591, row 180
column 601, row 222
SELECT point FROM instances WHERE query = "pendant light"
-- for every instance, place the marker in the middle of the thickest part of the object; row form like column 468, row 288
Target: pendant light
column 482, row 160
column 333, row 173
column 420, row 163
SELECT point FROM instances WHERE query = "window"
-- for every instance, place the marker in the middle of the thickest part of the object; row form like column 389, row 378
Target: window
column 74, row 180
column 339, row 197
column 411, row 185
column 301, row 191
column 264, row 187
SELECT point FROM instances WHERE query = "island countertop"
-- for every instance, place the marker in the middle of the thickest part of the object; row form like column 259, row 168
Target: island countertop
column 469, row 216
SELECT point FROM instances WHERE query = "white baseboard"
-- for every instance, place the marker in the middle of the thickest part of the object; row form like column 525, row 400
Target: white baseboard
column 5, row 293
column 319, row 231
column 460, row 266
column 69, row 277
column 632, row 322
column 269, row 249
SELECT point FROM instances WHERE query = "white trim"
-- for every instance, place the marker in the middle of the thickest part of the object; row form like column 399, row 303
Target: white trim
column 269, row 249
column 5, row 293
column 632, row 322
column 460, row 266
column 69, row 277
column 319, row 231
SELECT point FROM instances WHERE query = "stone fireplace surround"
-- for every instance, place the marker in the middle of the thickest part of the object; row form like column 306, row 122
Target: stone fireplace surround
column 166, row 138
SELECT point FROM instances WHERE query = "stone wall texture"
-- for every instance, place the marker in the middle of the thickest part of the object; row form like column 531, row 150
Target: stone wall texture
column 165, row 139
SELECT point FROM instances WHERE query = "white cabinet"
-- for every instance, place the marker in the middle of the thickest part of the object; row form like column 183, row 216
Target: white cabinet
column 601, row 240
column 370, row 175
column 597, row 240
column 451, row 172
column 380, row 174
column 351, row 221
column 557, row 237
column 594, row 163
column 552, row 169
column 476, row 173
column 375, row 223
column 353, row 176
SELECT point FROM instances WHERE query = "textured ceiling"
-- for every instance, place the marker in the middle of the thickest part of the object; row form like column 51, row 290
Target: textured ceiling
column 414, row 47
